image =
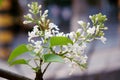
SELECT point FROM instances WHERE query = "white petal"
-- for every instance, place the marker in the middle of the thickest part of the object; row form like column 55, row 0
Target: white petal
column 103, row 39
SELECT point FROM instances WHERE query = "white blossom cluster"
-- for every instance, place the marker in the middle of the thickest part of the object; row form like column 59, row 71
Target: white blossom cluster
column 44, row 30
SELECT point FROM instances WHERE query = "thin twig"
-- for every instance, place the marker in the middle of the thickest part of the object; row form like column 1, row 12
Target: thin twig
column 46, row 68
column 36, row 63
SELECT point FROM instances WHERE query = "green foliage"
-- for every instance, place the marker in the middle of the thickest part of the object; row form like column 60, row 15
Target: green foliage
column 98, row 18
column 52, row 58
column 98, row 21
column 21, row 49
column 59, row 40
column 34, row 8
column 19, row 61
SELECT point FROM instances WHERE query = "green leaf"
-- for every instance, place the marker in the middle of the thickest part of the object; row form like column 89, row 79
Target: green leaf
column 59, row 40
column 52, row 58
column 20, row 61
column 17, row 52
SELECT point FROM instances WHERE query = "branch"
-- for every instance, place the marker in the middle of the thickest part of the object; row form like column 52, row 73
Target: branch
column 39, row 74
column 46, row 68
column 11, row 76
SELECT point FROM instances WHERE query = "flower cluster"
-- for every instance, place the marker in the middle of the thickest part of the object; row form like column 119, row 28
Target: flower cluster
column 44, row 30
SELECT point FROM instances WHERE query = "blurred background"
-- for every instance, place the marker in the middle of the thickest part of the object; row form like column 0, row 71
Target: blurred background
column 104, row 59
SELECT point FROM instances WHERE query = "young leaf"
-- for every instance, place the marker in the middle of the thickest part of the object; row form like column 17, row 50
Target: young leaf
column 17, row 52
column 20, row 61
column 59, row 40
column 52, row 58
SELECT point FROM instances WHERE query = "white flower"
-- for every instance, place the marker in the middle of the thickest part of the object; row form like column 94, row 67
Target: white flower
column 91, row 30
column 45, row 14
column 65, row 48
column 103, row 39
column 66, row 60
column 27, row 22
column 37, row 43
column 76, row 48
column 35, row 28
column 32, row 41
column 32, row 35
column 55, row 32
column 105, row 28
column 40, row 13
column 40, row 6
column 88, row 24
column 60, row 34
column 47, row 34
column 53, row 26
column 81, row 22
column 29, row 5
column 57, row 49
column 90, row 17
column 84, row 59
column 30, row 16
column 38, row 46
column 83, row 46
column 79, row 31
column 72, row 36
